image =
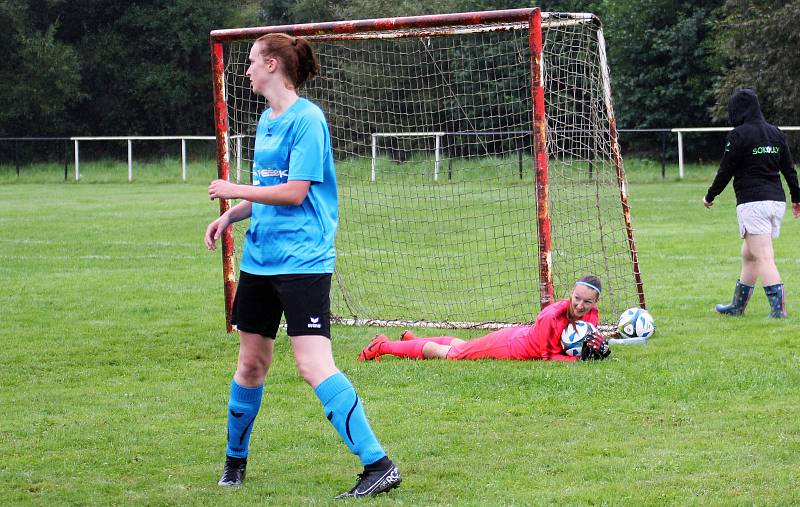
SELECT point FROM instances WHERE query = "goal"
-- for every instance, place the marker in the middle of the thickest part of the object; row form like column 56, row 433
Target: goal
column 477, row 161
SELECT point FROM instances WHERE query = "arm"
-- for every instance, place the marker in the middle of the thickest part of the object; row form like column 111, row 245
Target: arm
column 215, row 228
column 563, row 357
column 305, row 166
column 544, row 338
column 790, row 175
column 291, row 193
column 730, row 159
column 239, row 212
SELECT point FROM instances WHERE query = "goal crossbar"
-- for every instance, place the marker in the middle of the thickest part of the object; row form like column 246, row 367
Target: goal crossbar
column 400, row 26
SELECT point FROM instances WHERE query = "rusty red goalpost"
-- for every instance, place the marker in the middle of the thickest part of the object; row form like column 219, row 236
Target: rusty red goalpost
column 477, row 161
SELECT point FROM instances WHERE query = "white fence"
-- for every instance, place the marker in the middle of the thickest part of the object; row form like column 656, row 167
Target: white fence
column 130, row 140
column 680, row 132
column 437, row 135
column 437, row 149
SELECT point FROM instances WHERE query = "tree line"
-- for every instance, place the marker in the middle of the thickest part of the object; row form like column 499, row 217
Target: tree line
column 103, row 67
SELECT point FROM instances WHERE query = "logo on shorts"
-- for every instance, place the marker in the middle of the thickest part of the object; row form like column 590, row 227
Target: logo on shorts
column 314, row 323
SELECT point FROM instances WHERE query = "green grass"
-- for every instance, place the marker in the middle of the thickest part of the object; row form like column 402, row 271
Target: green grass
column 115, row 367
column 166, row 170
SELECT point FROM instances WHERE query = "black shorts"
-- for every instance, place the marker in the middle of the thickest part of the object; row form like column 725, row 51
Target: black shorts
column 304, row 299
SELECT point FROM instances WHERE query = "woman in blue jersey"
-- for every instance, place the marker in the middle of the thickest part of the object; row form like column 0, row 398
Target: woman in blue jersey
column 288, row 261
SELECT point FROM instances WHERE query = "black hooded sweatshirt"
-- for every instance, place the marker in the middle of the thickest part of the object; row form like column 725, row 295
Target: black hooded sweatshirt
column 755, row 155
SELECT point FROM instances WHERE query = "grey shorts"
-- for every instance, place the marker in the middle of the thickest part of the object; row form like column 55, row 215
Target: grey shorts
column 760, row 217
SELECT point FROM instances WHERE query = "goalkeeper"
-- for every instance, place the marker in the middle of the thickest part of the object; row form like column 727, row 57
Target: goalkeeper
column 542, row 340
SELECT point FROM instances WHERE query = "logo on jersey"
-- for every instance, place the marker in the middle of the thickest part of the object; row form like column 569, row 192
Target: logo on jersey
column 769, row 150
column 266, row 173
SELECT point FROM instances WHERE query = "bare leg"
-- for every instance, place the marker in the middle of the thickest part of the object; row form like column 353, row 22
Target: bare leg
column 758, row 260
column 314, row 358
column 432, row 350
column 244, row 403
column 340, row 403
column 255, row 358
column 748, row 275
column 442, row 340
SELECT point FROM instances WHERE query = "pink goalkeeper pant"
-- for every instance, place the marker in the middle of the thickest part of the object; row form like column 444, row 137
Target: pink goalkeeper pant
column 495, row 345
column 412, row 349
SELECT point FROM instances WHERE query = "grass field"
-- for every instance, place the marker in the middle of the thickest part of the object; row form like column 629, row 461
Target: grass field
column 115, row 367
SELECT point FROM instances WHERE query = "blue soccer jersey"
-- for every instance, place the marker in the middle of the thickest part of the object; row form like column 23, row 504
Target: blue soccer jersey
column 285, row 240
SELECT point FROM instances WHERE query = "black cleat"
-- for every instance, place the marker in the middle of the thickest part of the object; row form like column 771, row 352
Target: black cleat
column 371, row 483
column 234, row 472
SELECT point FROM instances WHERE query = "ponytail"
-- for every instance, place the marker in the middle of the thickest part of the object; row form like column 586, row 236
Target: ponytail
column 298, row 61
column 308, row 66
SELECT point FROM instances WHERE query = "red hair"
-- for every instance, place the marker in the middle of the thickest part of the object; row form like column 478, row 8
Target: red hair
column 298, row 61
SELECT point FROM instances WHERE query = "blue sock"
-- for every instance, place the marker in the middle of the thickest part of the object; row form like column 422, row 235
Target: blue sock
column 243, row 407
column 345, row 412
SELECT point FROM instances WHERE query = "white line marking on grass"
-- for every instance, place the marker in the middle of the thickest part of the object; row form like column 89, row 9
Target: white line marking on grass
column 702, row 259
column 115, row 243
column 94, row 257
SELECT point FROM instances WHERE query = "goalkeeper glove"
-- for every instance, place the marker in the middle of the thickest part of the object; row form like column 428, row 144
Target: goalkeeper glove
column 594, row 347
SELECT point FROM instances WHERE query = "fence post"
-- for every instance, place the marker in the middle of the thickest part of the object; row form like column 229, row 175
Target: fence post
column 238, row 159
column 77, row 162
column 437, row 159
column 680, row 154
column 130, row 160
column 183, row 159
column 374, row 155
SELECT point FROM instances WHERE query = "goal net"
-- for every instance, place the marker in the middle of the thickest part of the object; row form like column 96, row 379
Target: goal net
column 477, row 162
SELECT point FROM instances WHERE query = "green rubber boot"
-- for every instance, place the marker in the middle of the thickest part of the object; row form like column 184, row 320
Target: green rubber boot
column 741, row 295
column 776, row 298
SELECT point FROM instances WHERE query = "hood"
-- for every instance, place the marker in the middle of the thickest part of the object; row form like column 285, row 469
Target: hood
column 743, row 107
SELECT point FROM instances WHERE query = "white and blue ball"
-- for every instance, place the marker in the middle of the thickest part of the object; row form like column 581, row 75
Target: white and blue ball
column 636, row 323
column 573, row 335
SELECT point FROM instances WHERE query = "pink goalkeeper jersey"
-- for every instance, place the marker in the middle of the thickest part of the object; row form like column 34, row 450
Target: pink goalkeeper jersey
column 543, row 339
column 539, row 341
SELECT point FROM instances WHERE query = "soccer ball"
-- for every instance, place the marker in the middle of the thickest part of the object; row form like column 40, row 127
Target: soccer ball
column 636, row 323
column 572, row 336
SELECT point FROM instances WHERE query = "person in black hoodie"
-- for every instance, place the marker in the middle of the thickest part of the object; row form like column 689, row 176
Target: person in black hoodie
column 755, row 156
